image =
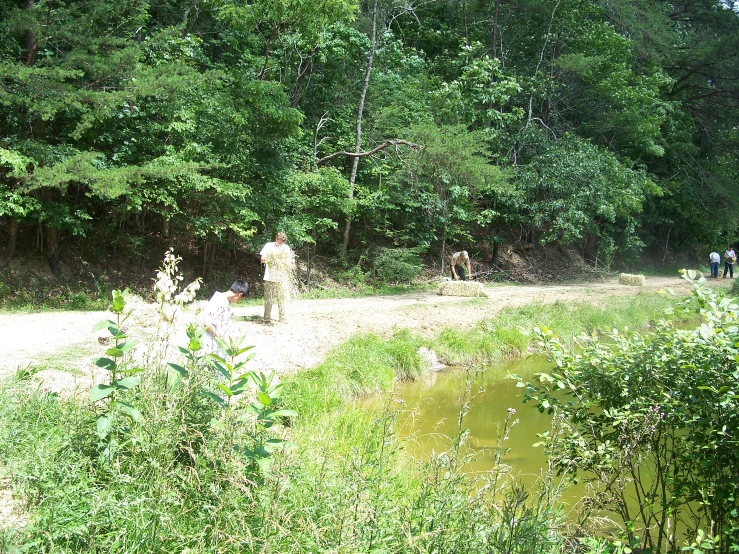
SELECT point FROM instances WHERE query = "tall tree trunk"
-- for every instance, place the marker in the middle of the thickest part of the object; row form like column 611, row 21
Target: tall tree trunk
column 496, row 245
column 31, row 44
column 303, row 70
column 541, row 59
column 443, row 247
column 12, row 239
column 49, row 235
column 360, row 112
column 31, row 47
column 591, row 248
column 494, row 41
column 309, row 266
column 206, row 253
column 51, row 250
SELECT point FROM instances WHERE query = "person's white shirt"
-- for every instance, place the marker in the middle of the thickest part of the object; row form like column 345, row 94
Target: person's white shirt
column 269, row 272
column 730, row 255
column 217, row 313
column 715, row 258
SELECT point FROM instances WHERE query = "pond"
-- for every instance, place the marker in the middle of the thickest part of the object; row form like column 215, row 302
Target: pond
column 437, row 401
column 435, row 405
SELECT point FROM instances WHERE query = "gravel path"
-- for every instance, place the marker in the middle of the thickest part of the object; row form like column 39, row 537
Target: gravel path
column 315, row 326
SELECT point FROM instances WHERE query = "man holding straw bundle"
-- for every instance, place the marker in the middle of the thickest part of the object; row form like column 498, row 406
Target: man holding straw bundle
column 279, row 276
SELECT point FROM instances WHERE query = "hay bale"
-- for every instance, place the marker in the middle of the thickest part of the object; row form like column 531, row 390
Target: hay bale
column 462, row 288
column 631, row 280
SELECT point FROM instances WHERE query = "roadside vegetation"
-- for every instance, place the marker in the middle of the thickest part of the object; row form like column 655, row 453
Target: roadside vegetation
column 207, row 454
column 650, row 421
column 17, row 297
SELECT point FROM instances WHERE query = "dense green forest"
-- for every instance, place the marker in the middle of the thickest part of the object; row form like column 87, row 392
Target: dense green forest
column 610, row 126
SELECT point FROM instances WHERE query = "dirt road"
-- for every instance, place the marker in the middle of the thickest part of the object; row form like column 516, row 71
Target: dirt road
column 55, row 339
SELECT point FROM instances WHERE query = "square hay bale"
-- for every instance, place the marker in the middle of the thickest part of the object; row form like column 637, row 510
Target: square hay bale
column 462, row 288
column 631, row 280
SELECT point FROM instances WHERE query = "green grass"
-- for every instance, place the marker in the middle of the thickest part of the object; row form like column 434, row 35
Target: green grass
column 366, row 364
column 66, row 359
column 509, row 333
column 318, row 293
column 180, row 481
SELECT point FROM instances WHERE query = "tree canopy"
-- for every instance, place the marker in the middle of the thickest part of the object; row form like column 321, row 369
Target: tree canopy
column 611, row 127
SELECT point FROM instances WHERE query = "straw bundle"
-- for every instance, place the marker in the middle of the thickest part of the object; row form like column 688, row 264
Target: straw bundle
column 693, row 274
column 283, row 269
column 631, row 280
column 462, row 288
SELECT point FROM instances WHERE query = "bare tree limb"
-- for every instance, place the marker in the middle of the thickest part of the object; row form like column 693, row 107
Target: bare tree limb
column 316, row 143
column 393, row 142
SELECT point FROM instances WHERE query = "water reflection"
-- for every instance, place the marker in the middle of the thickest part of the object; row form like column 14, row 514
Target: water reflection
column 434, row 405
column 438, row 400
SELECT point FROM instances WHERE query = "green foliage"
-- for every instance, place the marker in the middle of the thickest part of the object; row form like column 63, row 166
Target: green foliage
column 479, row 97
column 351, row 488
column 608, row 126
column 665, row 401
column 113, row 425
column 362, row 366
column 397, row 265
column 576, row 191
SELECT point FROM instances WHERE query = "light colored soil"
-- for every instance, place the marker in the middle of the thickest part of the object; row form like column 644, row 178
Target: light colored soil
column 58, row 340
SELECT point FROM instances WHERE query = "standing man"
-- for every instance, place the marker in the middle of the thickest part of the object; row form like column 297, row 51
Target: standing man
column 279, row 262
column 729, row 259
column 714, row 261
column 459, row 260
column 217, row 316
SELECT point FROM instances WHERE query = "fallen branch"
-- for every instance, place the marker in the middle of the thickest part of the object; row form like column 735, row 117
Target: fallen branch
column 393, row 142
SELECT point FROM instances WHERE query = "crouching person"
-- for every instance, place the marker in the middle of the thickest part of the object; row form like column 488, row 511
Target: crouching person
column 217, row 316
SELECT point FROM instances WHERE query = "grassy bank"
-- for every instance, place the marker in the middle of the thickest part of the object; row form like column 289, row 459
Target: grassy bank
column 367, row 364
column 193, row 474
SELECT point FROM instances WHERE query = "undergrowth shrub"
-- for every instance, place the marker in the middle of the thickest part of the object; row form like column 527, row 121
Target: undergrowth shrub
column 347, row 485
column 397, row 265
column 665, row 400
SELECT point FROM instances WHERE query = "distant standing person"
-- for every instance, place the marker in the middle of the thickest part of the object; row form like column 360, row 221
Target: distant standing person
column 729, row 259
column 278, row 260
column 217, row 315
column 714, row 261
column 459, row 261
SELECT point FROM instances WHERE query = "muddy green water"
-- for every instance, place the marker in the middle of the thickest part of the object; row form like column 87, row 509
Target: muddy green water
column 436, row 402
column 431, row 417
